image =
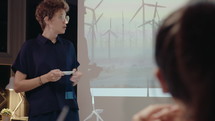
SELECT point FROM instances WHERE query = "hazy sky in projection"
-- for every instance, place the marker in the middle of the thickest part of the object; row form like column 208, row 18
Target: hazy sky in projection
column 114, row 8
column 128, row 60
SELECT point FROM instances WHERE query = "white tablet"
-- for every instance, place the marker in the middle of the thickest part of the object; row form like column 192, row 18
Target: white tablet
column 68, row 72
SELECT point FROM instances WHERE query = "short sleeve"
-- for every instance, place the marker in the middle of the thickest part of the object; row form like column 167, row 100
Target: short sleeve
column 21, row 62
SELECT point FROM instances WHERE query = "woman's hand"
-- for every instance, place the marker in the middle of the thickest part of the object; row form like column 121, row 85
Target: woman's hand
column 159, row 112
column 75, row 76
column 52, row 76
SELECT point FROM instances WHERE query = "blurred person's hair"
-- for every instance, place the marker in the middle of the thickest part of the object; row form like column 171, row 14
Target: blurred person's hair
column 184, row 52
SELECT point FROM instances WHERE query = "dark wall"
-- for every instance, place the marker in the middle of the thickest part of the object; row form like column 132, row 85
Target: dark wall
column 5, row 71
column 71, row 31
column 3, row 25
column 4, row 80
column 32, row 26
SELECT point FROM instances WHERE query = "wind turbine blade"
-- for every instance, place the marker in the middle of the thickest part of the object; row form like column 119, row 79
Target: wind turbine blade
column 89, row 8
column 155, row 10
column 106, row 32
column 152, row 5
column 98, row 4
column 140, row 26
column 97, row 21
column 88, row 24
column 135, row 13
column 113, row 34
column 99, row 18
column 158, row 15
column 156, row 23
column 147, row 22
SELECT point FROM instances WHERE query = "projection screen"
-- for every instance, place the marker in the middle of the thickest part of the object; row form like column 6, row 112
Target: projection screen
column 115, row 49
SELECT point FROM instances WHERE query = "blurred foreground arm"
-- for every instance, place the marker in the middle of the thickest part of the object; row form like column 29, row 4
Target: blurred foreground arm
column 159, row 112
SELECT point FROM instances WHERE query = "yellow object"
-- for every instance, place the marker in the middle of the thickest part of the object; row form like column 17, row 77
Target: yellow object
column 6, row 112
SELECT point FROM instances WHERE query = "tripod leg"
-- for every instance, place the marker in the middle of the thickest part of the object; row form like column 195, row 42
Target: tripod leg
column 98, row 117
column 88, row 117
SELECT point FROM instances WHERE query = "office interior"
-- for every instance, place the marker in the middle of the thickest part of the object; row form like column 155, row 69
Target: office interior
column 113, row 86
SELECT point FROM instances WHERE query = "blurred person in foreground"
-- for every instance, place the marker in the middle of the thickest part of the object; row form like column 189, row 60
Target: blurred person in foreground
column 40, row 64
column 185, row 57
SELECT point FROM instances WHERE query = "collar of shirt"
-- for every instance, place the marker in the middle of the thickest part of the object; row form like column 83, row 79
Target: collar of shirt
column 45, row 40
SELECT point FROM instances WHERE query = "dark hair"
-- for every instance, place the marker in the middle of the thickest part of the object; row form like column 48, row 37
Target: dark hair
column 49, row 8
column 185, row 54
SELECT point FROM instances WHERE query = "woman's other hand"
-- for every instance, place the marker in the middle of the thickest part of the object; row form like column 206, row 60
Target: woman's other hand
column 75, row 76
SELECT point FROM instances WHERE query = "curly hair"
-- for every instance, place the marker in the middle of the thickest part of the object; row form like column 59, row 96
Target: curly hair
column 49, row 8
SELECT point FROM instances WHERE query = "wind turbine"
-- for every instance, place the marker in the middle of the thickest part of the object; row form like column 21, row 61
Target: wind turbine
column 143, row 14
column 153, row 21
column 94, row 19
column 110, row 32
column 123, row 30
column 93, row 38
column 92, row 25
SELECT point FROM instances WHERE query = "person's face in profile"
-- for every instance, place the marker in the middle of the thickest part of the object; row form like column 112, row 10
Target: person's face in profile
column 58, row 22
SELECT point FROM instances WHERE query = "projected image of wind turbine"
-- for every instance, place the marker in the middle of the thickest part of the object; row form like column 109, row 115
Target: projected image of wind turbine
column 123, row 30
column 153, row 21
column 143, row 15
column 92, row 26
column 109, row 33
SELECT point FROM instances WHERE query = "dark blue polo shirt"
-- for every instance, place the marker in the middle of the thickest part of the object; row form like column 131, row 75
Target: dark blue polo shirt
column 39, row 56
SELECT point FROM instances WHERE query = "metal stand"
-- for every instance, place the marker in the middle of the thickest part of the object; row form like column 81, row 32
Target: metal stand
column 2, row 94
column 95, row 112
column 18, row 105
